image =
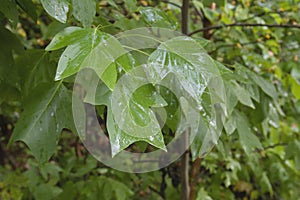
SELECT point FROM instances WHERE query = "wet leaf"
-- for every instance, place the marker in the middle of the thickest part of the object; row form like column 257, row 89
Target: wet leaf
column 120, row 140
column 46, row 112
column 157, row 18
column 84, row 11
column 133, row 117
column 242, row 94
column 36, row 68
column 58, row 9
column 248, row 140
column 87, row 48
column 189, row 63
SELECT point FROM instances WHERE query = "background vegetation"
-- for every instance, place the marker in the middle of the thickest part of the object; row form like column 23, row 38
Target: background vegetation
column 258, row 154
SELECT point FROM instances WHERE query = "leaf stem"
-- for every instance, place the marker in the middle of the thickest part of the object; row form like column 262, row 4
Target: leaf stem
column 134, row 49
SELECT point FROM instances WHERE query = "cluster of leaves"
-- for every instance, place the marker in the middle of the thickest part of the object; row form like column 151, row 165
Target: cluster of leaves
column 257, row 155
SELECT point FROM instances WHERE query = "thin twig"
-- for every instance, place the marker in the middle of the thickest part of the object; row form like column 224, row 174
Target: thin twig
column 264, row 13
column 232, row 45
column 274, row 145
column 172, row 3
column 244, row 25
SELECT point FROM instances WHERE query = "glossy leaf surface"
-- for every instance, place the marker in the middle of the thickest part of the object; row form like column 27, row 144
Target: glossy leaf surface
column 87, row 48
column 84, row 11
column 46, row 112
column 57, row 9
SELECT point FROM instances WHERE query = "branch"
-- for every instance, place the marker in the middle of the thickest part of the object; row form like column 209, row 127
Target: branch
column 244, row 25
column 265, row 13
column 185, row 16
column 185, row 187
column 274, row 145
column 163, row 184
column 232, row 45
column 172, row 3
column 195, row 171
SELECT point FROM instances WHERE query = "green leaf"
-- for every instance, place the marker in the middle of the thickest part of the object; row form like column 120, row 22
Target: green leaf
column 230, row 125
column 128, row 112
column 142, row 99
column 120, row 140
column 46, row 112
column 9, row 93
column 112, row 3
column 84, row 11
column 46, row 191
column 231, row 97
column 10, row 46
column 204, row 130
column 9, row 9
column 98, row 93
column 203, row 195
column 208, row 3
column 204, row 139
column 265, row 85
column 52, row 29
column 198, row 80
column 68, row 36
column 58, row 9
column 126, row 62
column 88, row 48
column 130, row 5
column 295, row 73
column 242, row 94
column 265, row 184
column 172, row 108
column 147, row 96
column 292, row 151
column 35, row 67
column 119, row 189
column 261, row 110
column 295, row 88
column 185, row 58
column 248, row 140
column 29, row 7
column 157, row 18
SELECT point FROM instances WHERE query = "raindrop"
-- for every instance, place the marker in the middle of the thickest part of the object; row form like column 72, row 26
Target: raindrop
column 274, row 124
column 212, row 123
column 200, row 107
column 41, row 129
column 151, row 138
column 52, row 114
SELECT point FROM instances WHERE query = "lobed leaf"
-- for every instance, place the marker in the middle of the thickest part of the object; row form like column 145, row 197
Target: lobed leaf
column 87, row 48
column 47, row 111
